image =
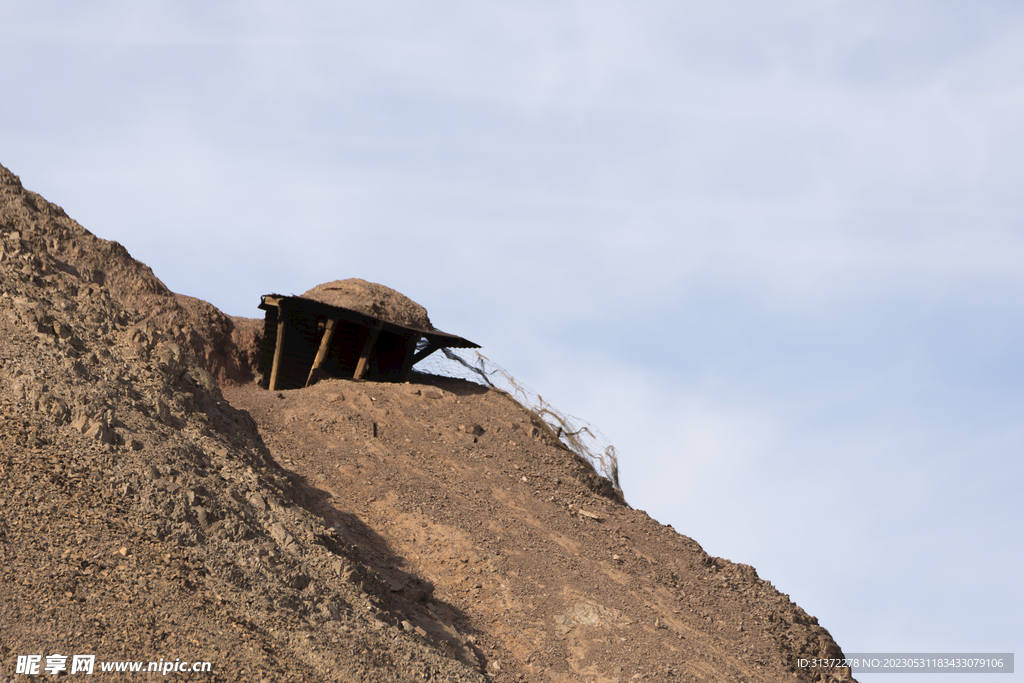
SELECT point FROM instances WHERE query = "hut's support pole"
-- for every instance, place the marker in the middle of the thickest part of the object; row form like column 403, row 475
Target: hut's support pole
column 282, row 325
column 429, row 349
column 325, row 344
column 364, row 360
column 410, row 351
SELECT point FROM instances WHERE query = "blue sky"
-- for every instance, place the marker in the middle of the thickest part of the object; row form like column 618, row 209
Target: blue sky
column 775, row 251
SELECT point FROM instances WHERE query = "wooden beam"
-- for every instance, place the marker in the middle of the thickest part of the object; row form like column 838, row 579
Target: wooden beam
column 429, row 349
column 325, row 344
column 364, row 360
column 407, row 363
column 282, row 324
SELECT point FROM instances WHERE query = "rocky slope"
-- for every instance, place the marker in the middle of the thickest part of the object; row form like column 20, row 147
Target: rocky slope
column 155, row 503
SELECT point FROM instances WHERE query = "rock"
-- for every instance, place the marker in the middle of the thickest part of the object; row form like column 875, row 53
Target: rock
column 163, row 412
column 81, row 424
column 204, row 379
column 421, row 591
column 474, row 429
column 167, row 353
column 62, row 331
column 348, row 574
column 281, row 534
column 370, row 298
column 56, row 408
column 101, row 433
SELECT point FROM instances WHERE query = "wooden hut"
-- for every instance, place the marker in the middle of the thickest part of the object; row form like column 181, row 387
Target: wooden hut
column 305, row 340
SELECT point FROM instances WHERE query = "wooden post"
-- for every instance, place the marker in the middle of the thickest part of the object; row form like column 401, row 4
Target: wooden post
column 325, row 344
column 364, row 359
column 429, row 349
column 410, row 351
column 282, row 325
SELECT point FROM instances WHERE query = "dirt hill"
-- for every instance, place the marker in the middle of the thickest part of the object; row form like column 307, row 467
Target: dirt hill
column 155, row 504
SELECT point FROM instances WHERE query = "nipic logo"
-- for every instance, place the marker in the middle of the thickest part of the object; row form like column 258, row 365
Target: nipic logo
column 56, row 664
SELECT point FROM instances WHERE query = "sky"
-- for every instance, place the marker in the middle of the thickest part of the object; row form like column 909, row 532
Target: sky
column 774, row 251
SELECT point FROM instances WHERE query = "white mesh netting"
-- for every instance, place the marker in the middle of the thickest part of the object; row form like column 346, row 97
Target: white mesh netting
column 578, row 435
